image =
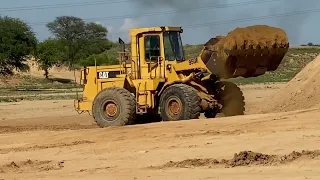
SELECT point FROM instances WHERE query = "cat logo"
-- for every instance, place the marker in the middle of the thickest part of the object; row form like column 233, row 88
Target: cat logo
column 107, row 74
column 103, row 75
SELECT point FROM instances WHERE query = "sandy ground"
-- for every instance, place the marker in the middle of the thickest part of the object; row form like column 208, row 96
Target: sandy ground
column 49, row 140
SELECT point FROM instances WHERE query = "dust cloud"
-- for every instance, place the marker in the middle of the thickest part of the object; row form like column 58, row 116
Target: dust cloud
column 192, row 14
column 188, row 11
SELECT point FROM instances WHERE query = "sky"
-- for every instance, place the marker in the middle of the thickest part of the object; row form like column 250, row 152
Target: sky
column 200, row 19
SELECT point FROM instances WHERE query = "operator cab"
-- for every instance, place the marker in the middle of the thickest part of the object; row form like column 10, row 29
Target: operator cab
column 152, row 49
column 158, row 42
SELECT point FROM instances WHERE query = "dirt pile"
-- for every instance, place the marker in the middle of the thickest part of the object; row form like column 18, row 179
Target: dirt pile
column 255, row 37
column 247, row 158
column 31, row 166
column 299, row 155
column 302, row 92
column 244, row 158
column 246, row 52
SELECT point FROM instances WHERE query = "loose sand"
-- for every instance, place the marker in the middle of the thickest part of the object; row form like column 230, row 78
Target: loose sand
column 300, row 93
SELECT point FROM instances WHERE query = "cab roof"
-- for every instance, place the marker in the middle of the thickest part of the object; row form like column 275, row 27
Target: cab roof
column 136, row 31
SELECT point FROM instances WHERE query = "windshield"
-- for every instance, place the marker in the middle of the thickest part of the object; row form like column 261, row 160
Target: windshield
column 173, row 48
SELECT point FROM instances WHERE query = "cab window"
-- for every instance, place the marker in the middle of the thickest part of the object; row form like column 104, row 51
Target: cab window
column 152, row 47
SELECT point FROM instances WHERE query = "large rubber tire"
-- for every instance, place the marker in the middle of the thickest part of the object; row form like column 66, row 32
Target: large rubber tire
column 231, row 98
column 183, row 96
column 121, row 101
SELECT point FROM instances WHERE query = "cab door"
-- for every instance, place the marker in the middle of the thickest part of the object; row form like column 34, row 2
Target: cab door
column 152, row 55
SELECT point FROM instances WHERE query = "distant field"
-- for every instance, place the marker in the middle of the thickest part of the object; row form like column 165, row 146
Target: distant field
column 35, row 88
column 293, row 62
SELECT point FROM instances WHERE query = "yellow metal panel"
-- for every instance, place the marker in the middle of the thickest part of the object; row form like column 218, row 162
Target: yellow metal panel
column 151, row 85
column 190, row 65
column 94, row 85
column 173, row 28
column 172, row 75
column 134, row 56
column 112, row 82
column 83, row 105
column 108, row 68
column 146, row 90
column 90, row 88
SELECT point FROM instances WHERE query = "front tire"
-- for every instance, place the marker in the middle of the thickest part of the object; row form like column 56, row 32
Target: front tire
column 179, row 102
column 114, row 107
column 231, row 98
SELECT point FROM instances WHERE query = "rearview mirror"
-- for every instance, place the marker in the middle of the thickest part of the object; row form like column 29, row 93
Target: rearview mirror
column 122, row 45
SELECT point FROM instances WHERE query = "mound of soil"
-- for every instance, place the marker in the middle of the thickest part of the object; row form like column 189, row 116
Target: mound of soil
column 31, row 166
column 247, row 158
column 299, row 155
column 246, row 52
column 262, row 36
column 302, row 92
column 244, row 158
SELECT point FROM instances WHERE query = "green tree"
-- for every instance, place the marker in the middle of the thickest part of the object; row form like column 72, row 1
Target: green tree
column 310, row 44
column 104, row 58
column 81, row 39
column 48, row 54
column 18, row 41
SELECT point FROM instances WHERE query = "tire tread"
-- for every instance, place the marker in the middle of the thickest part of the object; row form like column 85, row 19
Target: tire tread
column 128, row 102
column 191, row 98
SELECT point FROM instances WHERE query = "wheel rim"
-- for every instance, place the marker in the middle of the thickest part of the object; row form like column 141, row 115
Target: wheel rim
column 110, row 110
column 174, row 107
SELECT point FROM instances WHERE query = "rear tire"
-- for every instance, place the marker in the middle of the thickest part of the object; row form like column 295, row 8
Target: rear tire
column 179, row 102
column 231, row 98
column 114, row 107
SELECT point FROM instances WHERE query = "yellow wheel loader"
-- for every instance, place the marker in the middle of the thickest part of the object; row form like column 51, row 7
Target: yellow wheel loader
column 156, row 79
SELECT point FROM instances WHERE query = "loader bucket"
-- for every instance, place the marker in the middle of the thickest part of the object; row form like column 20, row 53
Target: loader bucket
column 246, row 52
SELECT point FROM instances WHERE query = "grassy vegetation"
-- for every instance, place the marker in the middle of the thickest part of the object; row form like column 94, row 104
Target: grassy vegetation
column 19, row 88
column 38, row 83
column 35, row 88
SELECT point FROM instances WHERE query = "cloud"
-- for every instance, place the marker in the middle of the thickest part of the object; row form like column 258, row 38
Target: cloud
column 123, row 30
column 128, row 24
column 110, row 29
